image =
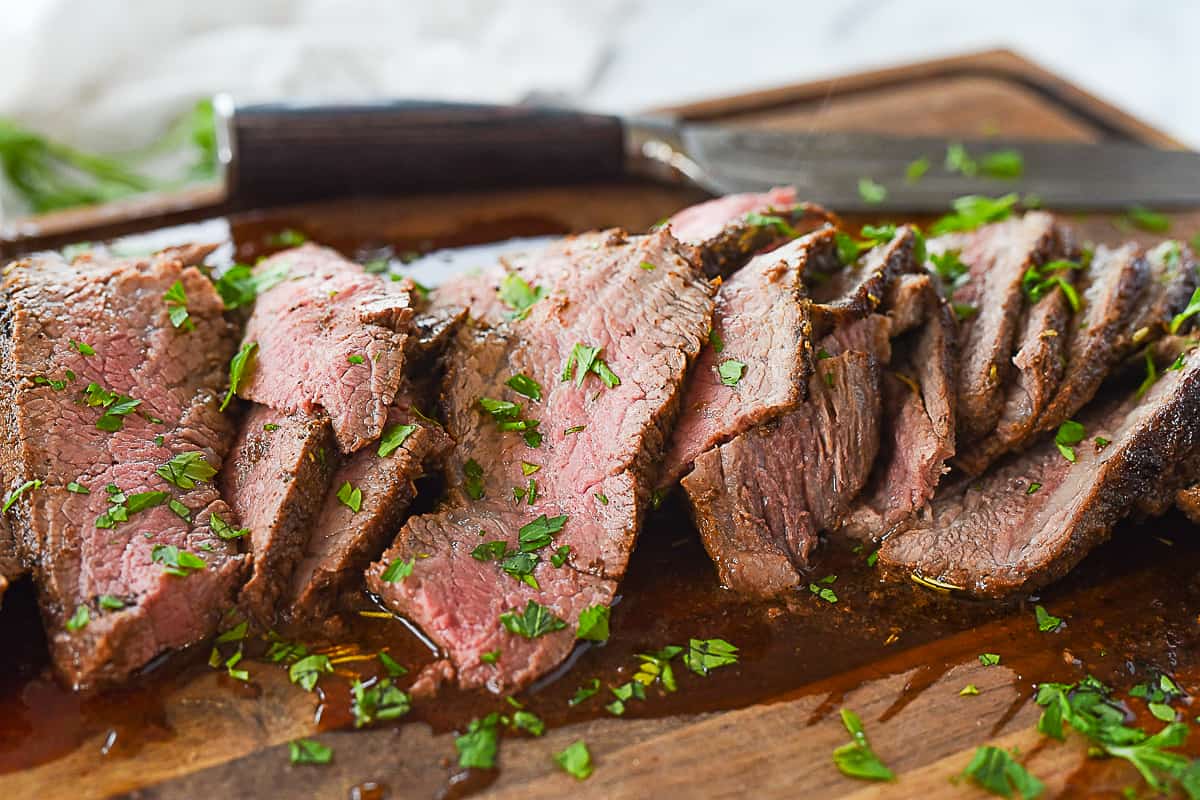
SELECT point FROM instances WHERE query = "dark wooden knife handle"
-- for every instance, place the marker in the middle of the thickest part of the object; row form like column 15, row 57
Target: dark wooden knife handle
column 285, row 153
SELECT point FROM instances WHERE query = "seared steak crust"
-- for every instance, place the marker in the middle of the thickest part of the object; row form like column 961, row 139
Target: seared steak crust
column 1035, row 515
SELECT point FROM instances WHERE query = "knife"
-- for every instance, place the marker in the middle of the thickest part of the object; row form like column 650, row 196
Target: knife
column 286, row 153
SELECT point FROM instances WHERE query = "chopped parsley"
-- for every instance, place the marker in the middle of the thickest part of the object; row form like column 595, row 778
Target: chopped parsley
column 964, row 311
column 871, row 191
column 582, row 360
column 968, row 691
column 527, row 721
column 308, row 670
column 398, row 570
column 916, row 170
column 237, row 367
column 477, row 747
column 393, row 667
column 574, row 429
column 123, row 505
column 536, row 620
column 83, row 348
column 393, row 438
column 350, row 496
column 1033, row 488
column 972, row 211
column 1046, row 622
column 473, row 479
column 576, row 761
column 174, row 561
column 714, row 339
column 989, row 659
column 224, row 530
column 378, row 702
column 856, row 759
column 177, row 307
column 528, row 469
column 646, row 265
column 824, row 592
column 490, row 657
column 704, row 655
column 1192, row 309
column 525, row 386
column 626, row 692
column 1147, row 220
column 1069, row 434
column 115, row 406
column 355, row 358
column 181, row 511
column 537, row 534
column 1040, row 281
column 16, row 494
column 1151, row 376
column 79, row 619
column 560, row 555
column 731, row 371
column 507, row 416
column 1002, row 164
column 1101, row 443
column 518, row 295
column 996, row 771
column 601, row 498
column 771, row 221
column 585, row 692
column 309, row 751
column 186, row 469
column 847, row 248
column 490, row 551
column 288, row 237
column 78, row 488
column 239, row 285
column 593, row 624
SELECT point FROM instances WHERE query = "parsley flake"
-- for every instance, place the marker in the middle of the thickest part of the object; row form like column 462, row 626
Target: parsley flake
column 518, row 295
column 350, row 496
column 1070, row 433
column 83, row 348
column 177, row 302
column 378, row 702
column 398, row 570
column 473, row 479
column 593, row 624
column 704, row 655
column 525, row 386
column 186, row 469
column 308, row 670
column 1147, row 220
column 309, row 751
column 224, row 530
column 996, row 771
column 237, row 367
column 393, row 438
column 871, row 192
column 989, row 659
column 856, row 759
column 1046, row 622
column 972, row 211
column 174, row 561
column 582, row 360
column 79, row 619
column 355, row 358
column 916, row 170
column 576, row 761
column 477, row 747
column 16, row 494
column 731, row 371
column 536, row 620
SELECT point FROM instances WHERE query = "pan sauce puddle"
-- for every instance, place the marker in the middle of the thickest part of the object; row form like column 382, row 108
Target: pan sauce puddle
column 1130, row 608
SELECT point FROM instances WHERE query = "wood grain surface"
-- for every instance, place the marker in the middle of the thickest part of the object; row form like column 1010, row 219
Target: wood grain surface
column 225, row 744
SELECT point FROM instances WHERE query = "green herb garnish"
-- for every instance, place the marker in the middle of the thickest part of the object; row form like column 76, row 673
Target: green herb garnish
column 174, row 561
column 393, row 438
column 308, row 670
column 177, row 302
column 704, row 655
column 576, row 761
column 378, row 702
column 525, row 386
column 237, row 367
column 536, row 620
column 518, row 295
column 398, row 570
column 350, row 496
column 856, row 759
column 996, row 771
column 593, row 624
column 309, row 751
column 186, row 469
column 871, row 192
column 1069, row 434
column 16, row 494
column 477, row 747
column 731, row 371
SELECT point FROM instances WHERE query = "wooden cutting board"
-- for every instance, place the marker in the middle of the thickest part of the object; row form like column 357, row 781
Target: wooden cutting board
column 218, row 743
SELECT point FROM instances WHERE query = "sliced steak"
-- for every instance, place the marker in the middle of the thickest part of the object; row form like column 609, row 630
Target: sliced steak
column 1102, row 334
column 845, row 293
column 1034, row 516
column 1174, row 275
column 918, row 429
column 108, row 601
column 707, row 220
column 592, row 458
column 352, row 530
column 761, row 321
column 760, row 500
column 331, row 338
column 276, row 479
column 1039, row 365
column 997, row 255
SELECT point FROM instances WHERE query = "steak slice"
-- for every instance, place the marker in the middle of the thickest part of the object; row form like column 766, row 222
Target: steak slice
column 762, row 321
column 596, row 449
column 1188, row 501
column 760, row 500
column 845, row 293
column 918, row 429
column 108, row 601
column 275, row 480
column 1174, row 275
column 708, row 220
column 997, row 255
column 344, row 539
column 331, row 338
column 1040, row 363
column 1034, row 516
column 1112, row 286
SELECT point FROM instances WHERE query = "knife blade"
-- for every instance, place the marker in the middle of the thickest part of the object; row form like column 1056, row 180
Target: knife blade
column 287, row 153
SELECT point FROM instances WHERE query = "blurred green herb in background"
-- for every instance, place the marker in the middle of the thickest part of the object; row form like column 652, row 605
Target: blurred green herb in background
column 50, row 175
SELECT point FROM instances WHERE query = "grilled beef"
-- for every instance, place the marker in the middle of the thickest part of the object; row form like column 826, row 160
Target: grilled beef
column 352, row 529
column 1102, row 334
column 276, row 479
column 579, row 449
column 998, row 257
column 761, row 322
column 760, row 500
column 1035, row 515
column 331, row 338
column 109, row 389
column 918, row 431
